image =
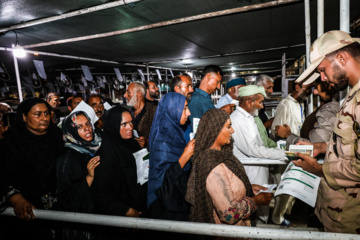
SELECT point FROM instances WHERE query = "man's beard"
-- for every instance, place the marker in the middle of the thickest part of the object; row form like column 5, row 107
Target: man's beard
column 154, row 94
column 132, row 101
column 188, row 96
column 341, row 77
column 254, row 112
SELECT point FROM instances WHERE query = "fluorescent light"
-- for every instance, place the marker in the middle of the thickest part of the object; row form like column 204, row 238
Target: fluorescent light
column 19, row 51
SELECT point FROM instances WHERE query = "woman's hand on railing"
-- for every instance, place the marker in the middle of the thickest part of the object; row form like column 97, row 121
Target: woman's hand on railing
column 23, row 208
column 133, row 213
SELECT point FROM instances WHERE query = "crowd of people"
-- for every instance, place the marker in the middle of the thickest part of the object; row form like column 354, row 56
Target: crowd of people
column 86, row 161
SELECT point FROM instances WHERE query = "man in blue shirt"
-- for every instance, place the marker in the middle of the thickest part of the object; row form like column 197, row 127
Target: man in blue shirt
column 201, row 99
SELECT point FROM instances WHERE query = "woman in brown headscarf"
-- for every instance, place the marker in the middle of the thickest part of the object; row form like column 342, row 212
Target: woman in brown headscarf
column 219, row 190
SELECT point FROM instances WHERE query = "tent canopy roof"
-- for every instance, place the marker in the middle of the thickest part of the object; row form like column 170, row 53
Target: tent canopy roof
column 243, row 41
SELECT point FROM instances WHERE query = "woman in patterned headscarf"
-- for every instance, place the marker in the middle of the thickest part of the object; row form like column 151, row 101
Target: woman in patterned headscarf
column 76, row 166
column 219, row 190
column 76, row 170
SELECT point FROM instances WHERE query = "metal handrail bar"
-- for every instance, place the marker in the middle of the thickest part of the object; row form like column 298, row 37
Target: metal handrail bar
column 208, row 229
column 262, row 161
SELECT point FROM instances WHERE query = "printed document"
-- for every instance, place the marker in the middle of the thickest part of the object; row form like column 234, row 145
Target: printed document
column 299, row 183
column 142, row 165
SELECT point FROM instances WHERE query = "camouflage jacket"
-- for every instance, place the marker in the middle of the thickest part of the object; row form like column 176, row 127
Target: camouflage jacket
column 338, row 202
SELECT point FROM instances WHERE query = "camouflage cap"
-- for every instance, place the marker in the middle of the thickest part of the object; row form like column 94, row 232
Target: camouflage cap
column 325, row 44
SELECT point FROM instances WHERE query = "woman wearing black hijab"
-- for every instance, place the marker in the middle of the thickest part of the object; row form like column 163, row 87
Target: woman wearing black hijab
column 115, row 188
column 28, row 179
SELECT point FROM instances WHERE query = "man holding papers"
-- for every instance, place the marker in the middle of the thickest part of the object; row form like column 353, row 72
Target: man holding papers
column 335, row 57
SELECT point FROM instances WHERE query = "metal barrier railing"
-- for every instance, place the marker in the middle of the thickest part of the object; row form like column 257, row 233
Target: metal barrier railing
column 262, row 161
column 207, row 229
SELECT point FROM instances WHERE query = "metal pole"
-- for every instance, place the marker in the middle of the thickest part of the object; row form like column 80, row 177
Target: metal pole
column 345, row 15
column 69, row 14
column 167, row 23
column 320, row 28
column 320, row 17
column 284, row 88
column 17, row 77
column 308, row 45
column 147, row 71
column 62, row 56
column 344, row 26
column 307, row 31
column 207, row 229
column 150, row 66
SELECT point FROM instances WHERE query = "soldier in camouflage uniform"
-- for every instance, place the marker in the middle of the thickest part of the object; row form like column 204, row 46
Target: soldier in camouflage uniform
column 335, row 57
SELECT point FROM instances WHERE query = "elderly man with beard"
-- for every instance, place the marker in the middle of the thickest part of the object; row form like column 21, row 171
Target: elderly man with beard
column 142, row 112
column 247, row 139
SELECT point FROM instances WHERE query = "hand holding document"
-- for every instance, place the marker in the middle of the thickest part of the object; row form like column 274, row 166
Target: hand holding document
column 270, row 188
column 304, row 149
column 299, row 183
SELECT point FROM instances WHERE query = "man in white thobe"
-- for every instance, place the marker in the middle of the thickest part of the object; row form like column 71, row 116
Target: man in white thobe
column 247, row 140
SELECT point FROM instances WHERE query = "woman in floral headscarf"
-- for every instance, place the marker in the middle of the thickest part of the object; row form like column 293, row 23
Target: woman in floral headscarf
column 75, row 167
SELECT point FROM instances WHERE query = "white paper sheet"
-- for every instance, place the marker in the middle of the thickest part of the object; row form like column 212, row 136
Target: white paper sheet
column 270, row 187
column 142, row 166
column 83, row 106
column 107, row 106
column 195, row 124
column 299, row 183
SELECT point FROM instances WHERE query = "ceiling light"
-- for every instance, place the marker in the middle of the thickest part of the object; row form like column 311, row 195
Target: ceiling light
column 18, row 50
